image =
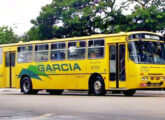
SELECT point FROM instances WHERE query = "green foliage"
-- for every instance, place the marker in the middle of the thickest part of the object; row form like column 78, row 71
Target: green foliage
column 7, row 35
column 24, row 38
column 44, row 24
column 147, row 15
column 143, row 4
column 77, row 18
column 69, row 18
column 149, row 19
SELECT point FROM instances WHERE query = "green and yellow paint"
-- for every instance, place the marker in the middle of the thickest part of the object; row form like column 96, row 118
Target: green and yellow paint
column 35, row 71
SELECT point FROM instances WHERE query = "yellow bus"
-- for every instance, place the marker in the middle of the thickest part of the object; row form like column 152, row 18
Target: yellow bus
column 123, row 62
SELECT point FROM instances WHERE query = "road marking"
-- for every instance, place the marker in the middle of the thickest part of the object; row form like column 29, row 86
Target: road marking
column 42, row 116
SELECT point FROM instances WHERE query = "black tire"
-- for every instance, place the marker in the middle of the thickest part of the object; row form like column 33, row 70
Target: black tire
column 98, row 87
column 129, row 92
column 55, row 92
column 26, row 86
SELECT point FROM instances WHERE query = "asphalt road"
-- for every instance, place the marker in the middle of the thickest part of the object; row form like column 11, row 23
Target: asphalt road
column 78, row 106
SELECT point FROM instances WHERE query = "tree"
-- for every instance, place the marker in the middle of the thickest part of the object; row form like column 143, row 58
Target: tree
column 43, row 25
column 7, row 35
column 147, row 15
column 63, row 18
column 24, row 38
column 160, row 4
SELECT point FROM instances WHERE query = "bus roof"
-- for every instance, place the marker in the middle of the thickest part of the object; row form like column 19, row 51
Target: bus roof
column 96, row 36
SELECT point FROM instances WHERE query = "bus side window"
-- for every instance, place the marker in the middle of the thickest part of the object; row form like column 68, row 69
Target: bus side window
column 76, row 50
column 57, row 51
column 25, row 54
column 95, row 49
column 41, row 52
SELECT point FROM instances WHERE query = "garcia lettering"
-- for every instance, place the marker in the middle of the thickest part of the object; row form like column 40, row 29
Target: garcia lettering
column 59, row 67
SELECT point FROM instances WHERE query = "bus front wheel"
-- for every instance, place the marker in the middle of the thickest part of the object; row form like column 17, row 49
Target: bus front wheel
column 98, row 87
column 26, row 86
column 129, row 92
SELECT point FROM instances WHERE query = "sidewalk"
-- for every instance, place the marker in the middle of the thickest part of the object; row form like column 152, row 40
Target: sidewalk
column 9, row 90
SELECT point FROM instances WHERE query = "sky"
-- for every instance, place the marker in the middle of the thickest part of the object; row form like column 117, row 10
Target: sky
column 18, row 13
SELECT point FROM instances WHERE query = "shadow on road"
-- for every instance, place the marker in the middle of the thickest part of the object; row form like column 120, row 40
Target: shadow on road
column 141, row 94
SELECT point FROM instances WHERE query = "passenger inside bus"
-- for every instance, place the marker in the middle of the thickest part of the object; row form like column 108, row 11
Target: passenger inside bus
column 93, row 55
column 143, row 56
column 96, row 53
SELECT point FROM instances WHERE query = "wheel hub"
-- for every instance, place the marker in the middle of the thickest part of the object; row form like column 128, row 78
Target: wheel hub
column 26, row 86
column 97, row 85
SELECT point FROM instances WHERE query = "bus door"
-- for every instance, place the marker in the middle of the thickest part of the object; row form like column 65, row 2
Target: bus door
column 117, row 67
column 10, row 69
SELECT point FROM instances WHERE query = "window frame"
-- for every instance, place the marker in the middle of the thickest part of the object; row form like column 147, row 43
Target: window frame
column 58, row 50
column 77, row 48
column 25, row 53
column 96, row 47
column 38, row 51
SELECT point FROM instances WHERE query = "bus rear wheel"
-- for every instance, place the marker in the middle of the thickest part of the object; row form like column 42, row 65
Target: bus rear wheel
column 26, row 86
column 129, row 92
column 98, row 87
column 55, row 92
